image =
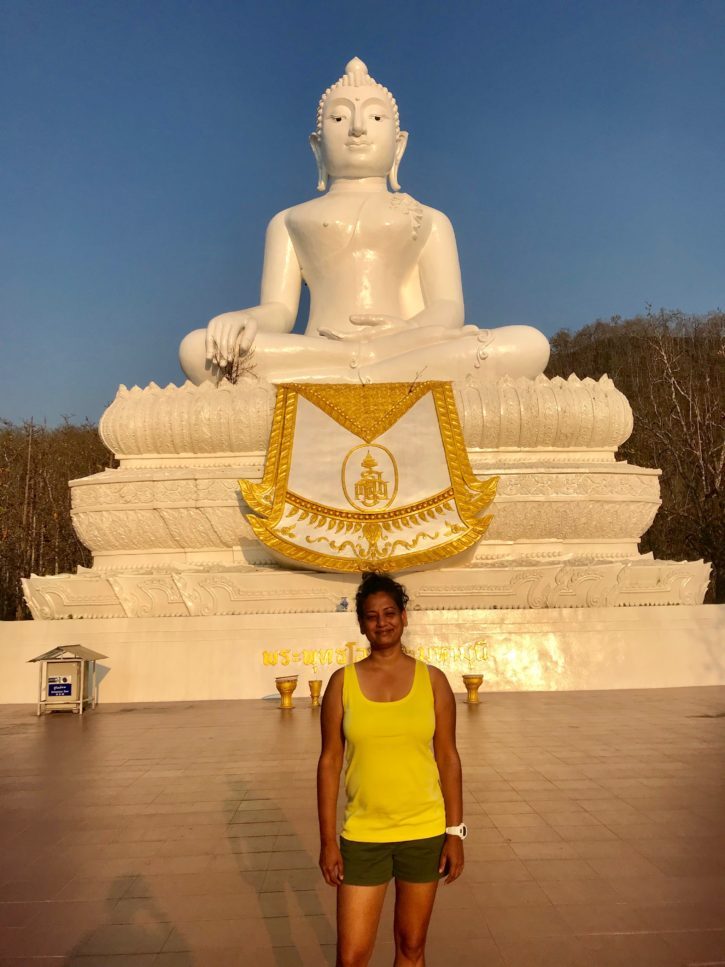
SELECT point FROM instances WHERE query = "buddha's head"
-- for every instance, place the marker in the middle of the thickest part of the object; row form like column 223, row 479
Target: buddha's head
column 358, row 130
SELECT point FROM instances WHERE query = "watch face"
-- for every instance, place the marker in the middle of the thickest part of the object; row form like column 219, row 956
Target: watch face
column 464, row 830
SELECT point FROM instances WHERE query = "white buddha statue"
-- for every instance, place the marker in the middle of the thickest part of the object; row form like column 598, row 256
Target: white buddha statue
column 386, row 302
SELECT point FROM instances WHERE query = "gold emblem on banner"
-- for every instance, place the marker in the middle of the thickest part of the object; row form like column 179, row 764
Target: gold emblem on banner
column 373, row 489
column 375, row 523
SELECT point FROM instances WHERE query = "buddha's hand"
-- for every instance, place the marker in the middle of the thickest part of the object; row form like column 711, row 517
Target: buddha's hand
column 228, row 336
column 368, row 327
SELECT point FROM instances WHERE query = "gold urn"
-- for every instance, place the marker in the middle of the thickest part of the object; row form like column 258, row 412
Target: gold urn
column 315, row 690
column 286, row 684
column 472, row 683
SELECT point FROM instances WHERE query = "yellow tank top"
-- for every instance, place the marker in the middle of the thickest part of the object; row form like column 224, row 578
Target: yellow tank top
column 391, row 777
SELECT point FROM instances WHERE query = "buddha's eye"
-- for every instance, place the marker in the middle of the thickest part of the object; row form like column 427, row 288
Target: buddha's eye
column 377, row 117
column 335, row 117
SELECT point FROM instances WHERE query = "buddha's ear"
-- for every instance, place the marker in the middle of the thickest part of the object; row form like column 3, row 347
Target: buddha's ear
column 321, row 170
column 401, row 143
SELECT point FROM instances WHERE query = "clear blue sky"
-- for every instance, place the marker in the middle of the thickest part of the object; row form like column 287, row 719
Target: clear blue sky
column 578, row 147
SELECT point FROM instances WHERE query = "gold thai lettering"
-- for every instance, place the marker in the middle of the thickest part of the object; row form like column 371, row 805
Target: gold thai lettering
column 453, row 656
column 448, row 656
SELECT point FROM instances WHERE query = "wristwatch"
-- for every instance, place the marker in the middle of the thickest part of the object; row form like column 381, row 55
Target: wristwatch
column 461, row 830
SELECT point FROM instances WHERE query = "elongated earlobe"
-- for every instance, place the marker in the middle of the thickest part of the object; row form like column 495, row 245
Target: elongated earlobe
column 401, row 144
column 321, row 170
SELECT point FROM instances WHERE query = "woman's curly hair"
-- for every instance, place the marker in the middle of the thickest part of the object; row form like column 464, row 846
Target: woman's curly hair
column 373, row 583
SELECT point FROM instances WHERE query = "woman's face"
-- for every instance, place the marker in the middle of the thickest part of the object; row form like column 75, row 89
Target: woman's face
column 382, row 621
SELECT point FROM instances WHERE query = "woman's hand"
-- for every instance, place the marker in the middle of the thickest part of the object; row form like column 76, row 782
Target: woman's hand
column 452, row 858
column 331, row 864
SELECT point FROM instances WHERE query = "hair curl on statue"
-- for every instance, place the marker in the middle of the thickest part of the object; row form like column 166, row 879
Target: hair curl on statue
column 373, row 583
column 356, row 75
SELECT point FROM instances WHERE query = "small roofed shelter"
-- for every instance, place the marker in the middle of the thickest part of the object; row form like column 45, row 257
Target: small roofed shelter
column 67, row 679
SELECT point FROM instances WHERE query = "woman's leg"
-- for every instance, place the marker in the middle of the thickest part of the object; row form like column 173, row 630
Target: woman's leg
column 358, row 915
column 413, row 907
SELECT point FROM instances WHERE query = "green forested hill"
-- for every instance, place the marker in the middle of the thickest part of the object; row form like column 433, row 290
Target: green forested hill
column 671, row 368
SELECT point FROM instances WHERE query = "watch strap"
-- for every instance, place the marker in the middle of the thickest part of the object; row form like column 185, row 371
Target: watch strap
column 461, row 830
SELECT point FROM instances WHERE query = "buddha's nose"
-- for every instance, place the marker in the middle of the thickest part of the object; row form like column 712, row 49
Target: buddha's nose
column 357, row 122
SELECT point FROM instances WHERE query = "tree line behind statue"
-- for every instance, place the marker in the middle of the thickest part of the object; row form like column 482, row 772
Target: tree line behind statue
column 669, row 365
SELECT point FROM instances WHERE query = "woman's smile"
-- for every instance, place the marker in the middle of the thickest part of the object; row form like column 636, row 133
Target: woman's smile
column 382, row 622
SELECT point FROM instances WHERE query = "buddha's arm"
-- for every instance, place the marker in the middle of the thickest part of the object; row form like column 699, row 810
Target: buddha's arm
column 281, row 280
column 440, row 278
column 233, row 332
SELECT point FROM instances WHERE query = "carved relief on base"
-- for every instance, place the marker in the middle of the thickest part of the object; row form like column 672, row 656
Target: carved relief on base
column 247, row 590
column 201, row 509
column 562, row 519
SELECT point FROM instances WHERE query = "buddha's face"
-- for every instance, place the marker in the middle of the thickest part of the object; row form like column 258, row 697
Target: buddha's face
column 358, row 138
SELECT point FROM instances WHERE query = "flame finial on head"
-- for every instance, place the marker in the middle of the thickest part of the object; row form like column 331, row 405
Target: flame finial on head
column 356, row 75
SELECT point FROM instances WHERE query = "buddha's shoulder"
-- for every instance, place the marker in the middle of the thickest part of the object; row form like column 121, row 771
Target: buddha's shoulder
column 295, row 217
column 305, row 209
column 429, row 218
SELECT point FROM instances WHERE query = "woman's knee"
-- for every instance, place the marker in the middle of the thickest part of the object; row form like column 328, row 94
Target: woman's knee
column 411, row 945
column 349, row 955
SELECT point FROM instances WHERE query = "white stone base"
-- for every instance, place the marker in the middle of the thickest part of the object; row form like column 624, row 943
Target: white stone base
column 223, row 657
column 205, row 591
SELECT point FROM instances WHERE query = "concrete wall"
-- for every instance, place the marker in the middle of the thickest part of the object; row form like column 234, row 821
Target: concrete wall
column 182, row 659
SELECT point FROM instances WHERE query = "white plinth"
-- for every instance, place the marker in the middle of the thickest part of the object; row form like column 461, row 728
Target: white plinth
column 188, row 605
column 170, row 538
column 194, row 659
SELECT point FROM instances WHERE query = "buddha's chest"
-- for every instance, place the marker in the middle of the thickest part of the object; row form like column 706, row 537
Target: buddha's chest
column 358, row 226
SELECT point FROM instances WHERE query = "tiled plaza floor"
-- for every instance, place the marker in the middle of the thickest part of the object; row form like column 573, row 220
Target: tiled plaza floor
column 184, row 835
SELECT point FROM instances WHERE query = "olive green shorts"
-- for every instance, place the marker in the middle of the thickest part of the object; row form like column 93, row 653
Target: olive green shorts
column 370, row 864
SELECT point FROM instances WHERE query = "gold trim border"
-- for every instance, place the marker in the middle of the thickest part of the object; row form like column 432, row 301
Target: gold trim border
column 316, row 560
column 322, row 510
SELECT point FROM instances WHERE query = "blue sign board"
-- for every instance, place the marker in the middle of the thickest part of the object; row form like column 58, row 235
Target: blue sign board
column 61, row 688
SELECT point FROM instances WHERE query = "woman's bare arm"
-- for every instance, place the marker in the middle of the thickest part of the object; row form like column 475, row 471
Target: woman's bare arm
column 328, row 779
column 449, row 769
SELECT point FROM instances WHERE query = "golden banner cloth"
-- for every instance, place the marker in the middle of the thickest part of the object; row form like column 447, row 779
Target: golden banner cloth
column 367, row 477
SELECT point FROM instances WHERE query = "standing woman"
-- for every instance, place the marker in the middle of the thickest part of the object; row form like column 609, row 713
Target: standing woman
column 393, row 720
